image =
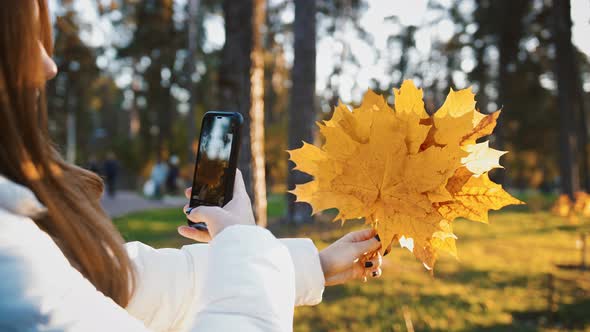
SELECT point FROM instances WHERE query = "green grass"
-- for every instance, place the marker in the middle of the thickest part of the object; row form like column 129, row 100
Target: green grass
column 499, row 283
column 277, row 206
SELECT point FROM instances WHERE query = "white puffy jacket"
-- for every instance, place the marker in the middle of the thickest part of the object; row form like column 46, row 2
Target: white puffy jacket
column 244, row 280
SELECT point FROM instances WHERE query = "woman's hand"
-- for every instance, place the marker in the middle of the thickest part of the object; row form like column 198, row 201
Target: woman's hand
column 238, row 211
column 354, row 256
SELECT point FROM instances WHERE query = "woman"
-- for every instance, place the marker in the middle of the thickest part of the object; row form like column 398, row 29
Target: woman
column 64, row 267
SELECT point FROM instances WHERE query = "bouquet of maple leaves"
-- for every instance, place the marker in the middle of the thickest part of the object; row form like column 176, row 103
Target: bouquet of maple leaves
column 408, row 174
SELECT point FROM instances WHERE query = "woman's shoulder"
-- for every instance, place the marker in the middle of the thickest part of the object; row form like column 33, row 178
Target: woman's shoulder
column 19, row 234
column 24, row 243
column 18, row 200
column 15, row 228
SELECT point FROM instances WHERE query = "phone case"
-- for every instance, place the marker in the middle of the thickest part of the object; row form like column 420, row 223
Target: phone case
column 238, row 120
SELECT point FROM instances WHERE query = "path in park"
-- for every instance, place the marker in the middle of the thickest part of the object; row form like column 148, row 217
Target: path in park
column 127, row 202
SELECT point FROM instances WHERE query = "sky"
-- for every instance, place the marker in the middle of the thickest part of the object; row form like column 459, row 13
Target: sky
column 372, row 65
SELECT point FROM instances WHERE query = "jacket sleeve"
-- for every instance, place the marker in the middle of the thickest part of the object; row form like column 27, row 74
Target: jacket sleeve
column 169, row 282
column 251, row 262
column 309, row 277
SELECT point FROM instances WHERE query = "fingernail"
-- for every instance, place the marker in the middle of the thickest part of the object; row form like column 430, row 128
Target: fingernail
column 188, row 210
column 377, row 238
column 368, row 264
column 374, row 273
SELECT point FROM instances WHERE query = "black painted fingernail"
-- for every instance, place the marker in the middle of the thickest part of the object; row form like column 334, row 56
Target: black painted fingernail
column 386, row 252
column 374, row 273
column 369, row 264
column 377, row 238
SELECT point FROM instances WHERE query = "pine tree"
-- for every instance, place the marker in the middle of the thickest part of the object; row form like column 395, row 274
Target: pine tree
column 302, row 108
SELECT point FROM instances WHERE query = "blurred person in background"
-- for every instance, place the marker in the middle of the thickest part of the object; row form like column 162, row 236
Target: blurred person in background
column 173, row 172
column 93, row 165
column 158, row 177
column 111, row 172
column 65, row 267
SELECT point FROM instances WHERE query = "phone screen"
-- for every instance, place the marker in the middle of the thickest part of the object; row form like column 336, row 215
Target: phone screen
column 213, row 161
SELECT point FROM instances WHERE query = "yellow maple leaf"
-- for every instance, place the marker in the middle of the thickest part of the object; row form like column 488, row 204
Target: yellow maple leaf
column 409, row 109
column 406, row 173
column 441, row 241
column 481, row 158
column 474, row 199
column 484, row 126
column 455, row 119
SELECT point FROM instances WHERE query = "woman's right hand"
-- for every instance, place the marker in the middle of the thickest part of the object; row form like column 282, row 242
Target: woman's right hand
column 354, row 256
column 238, row 211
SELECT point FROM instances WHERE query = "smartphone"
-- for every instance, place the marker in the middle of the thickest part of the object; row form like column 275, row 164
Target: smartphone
column 217, row 159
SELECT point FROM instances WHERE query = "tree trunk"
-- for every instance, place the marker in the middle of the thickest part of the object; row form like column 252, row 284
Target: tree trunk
column 583, row 127
column 481, row 72
column 134, row 117
column 71, row 136
column 71, row 146
column 234, row 75
column 509, row 38
column 166, row 113
column 145, row 130
column 257, row 113
column 191, row 121
column 302, row 108
column 566, row 95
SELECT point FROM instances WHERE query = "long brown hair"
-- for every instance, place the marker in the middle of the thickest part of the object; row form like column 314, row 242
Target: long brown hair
column 75, row 219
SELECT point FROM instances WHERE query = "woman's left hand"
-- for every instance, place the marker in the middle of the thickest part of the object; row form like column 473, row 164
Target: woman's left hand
column 354, row 256
column 189, row 232
column 236, row 211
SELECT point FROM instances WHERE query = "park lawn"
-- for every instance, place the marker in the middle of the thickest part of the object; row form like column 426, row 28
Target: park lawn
column 500, row 282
